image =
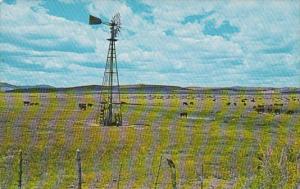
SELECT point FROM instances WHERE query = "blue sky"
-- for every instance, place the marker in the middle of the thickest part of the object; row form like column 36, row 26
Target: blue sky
column 186, row 43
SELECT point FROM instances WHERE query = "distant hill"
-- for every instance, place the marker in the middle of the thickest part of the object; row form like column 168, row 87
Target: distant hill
column 143, row 88
column 7, row 87
column 10, row 87
column 249, row 90
column 139, row 88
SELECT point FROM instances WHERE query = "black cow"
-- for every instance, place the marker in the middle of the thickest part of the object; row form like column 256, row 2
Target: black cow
column 27, row 103
column 290, row 112
column 82, row 106
column 90, row 105
column 260, row 108
column 277, row 111
column 183, row 114
column 185, row 103
column 278, row 104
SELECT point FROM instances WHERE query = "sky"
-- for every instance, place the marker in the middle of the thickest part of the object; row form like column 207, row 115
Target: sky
column 172, row 42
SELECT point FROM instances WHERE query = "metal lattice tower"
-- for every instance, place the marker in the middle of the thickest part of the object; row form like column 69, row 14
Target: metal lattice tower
column 110, row 107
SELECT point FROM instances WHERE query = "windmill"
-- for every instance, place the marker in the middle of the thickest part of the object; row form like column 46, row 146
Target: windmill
column 110, row 107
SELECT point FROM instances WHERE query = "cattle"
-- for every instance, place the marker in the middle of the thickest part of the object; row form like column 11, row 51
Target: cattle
column 252, row 100
column 183, row 114
column 277, row 111
column 27, row 103
column 191, row 103
column 90, row 105
column 82, row 106
column 185, row 103
column 278, row 104
column 260, row 108
column 234, row 104
column 245, row 104
column 228, row 103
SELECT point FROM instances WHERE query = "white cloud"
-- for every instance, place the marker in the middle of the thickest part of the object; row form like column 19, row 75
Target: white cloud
column 25, row 19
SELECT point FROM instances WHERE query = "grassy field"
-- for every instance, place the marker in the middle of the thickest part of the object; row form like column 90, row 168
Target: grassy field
column 236, row 146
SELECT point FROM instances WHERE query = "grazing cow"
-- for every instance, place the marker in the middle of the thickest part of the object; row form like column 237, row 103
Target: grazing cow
column 245, row 104
column 228, row 103
column 214, row 99
column 260, row 108
column 27, row 103
column 277, row 111
column 183, row 114
column 36, row 103
column 290, row 112
column 278, row 104
column 252, row 100
column 82, row 106
column 90, row 105
column 185, row 103
column 191, row 103
column 234, row 104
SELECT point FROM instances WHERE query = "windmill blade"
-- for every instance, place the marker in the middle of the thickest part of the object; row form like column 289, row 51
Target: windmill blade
column 94, row 20
column 116, row 19
column 117, row 23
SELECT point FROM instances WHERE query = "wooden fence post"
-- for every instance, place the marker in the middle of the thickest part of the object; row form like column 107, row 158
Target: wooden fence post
column 174, row 178
column 202, row 176
column 119, row 176
column 173, row 172
column 78, row 168
column 156, row 180
column 20, row 169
